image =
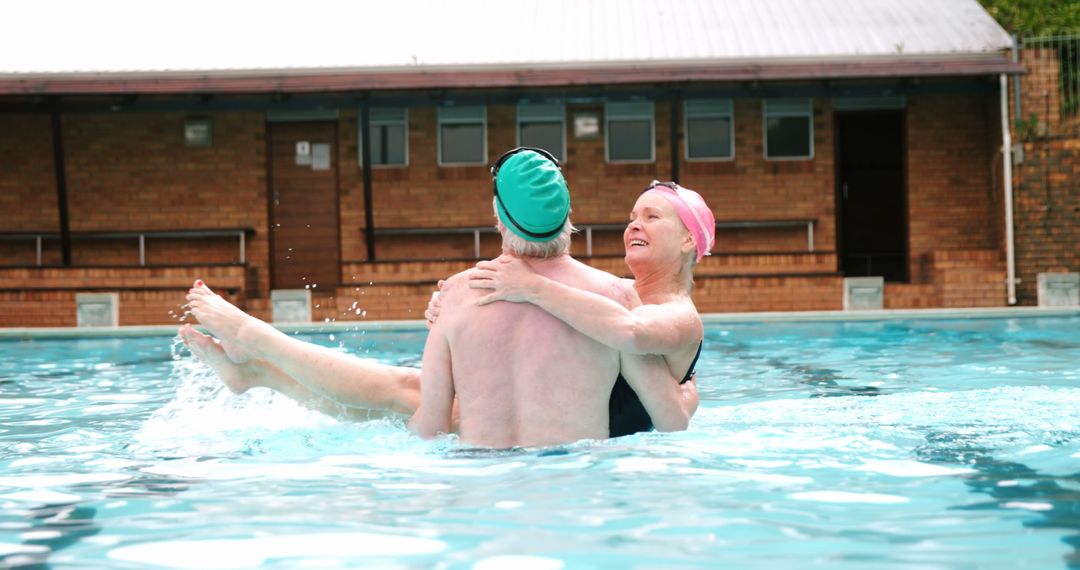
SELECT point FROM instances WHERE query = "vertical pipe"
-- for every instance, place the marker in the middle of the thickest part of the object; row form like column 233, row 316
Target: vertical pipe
column 1006, row 154
column 676, row 101
column 61, row 184
column 476, row 243
column 588, row 241
column 365, row 157
column 1019, row 115
column 243, row 239
column 38, row 249
column 142, row 249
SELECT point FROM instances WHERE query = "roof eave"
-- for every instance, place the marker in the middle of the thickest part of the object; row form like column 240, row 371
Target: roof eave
column 448, row 77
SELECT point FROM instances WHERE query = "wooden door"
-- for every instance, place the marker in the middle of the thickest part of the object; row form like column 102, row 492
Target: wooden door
column 304, row 206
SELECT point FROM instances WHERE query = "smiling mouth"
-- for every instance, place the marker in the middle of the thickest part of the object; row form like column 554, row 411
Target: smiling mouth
column 638, row 242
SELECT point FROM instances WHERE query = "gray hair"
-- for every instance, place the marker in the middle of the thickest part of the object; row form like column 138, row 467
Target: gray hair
column 521, row 247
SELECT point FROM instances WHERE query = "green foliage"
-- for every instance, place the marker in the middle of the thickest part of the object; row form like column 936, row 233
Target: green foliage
column 1035, row 17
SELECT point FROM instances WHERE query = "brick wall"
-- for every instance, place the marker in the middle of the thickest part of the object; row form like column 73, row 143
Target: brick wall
column 27, row 175
column 132, row 171
column 45, row 296
column 952, row 203
column 1047, row 211
column 426, row 195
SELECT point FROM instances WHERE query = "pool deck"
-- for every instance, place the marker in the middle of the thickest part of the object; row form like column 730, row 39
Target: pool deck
column 770, row 317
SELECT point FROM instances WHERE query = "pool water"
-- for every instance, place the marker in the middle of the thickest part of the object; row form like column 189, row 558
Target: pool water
column 917, row 444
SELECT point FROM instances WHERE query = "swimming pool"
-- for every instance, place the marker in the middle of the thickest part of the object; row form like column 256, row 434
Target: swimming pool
column 881, row 444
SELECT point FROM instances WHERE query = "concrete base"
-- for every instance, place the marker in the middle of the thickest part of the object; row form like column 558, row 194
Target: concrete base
column 1059, row 289
column 97, row 309
column 864, row 293
column 291, row 305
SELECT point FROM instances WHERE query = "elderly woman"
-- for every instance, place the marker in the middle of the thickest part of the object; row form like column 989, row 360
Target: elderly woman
column 341, row 384
column 671, row 229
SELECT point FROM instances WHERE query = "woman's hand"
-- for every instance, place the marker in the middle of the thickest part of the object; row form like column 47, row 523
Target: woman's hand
column 431, row 314
column 509, row 278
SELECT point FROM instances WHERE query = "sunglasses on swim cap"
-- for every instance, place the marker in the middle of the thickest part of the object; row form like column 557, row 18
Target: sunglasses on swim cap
column 506, row 155
column 655, row 183
column 518, row 227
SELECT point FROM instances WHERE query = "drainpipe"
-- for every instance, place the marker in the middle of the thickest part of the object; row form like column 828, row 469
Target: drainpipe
column 59, row 169
column 365, row 158
column 1006, row 153
column 676, row 102
column 1019, row 113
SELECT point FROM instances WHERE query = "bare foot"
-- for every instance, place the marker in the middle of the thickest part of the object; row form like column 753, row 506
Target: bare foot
column 235, row 329
column 238, row 378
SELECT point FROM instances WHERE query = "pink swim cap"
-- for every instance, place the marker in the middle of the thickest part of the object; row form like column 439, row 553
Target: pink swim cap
column 692, row 210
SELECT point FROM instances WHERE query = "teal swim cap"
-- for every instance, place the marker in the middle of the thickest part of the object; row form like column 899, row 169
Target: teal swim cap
column 531, row 194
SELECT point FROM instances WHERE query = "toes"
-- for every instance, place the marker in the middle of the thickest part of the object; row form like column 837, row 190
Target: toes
column 184, row 333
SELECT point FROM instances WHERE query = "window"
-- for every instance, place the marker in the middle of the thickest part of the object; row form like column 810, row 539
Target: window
column 389, row 132
column 710, row 129
column 629, row 132
column 789, row 129
column 543, row 126
column 462, row 135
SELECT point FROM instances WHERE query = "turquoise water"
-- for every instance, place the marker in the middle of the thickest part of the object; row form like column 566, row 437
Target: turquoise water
column 897, row 444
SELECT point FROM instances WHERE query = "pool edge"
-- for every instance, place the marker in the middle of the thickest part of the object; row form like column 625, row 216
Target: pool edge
column 26, row 333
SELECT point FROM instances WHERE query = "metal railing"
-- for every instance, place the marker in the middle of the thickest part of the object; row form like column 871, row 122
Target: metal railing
column 1049, row 93
column 588, row 230
column 40, row 237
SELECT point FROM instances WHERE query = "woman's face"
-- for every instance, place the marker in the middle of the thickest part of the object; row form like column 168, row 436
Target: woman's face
column 655, row 230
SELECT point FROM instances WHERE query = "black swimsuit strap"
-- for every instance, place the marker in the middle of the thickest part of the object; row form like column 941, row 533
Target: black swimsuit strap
column 693, row 365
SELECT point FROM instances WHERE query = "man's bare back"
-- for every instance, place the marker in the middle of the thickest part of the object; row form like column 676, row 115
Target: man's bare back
column 521, row 376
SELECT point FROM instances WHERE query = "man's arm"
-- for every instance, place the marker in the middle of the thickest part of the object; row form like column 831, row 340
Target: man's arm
column 669, row 404
column 433, row 418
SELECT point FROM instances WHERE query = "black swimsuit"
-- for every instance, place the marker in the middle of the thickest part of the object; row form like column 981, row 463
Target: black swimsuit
column 626, row 413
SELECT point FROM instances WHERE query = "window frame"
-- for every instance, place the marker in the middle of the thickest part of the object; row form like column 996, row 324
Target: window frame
column 728, row 113
column 808, row 112
column 627, row 115
column 440, row 121
column 372, row 122
column 542, row 118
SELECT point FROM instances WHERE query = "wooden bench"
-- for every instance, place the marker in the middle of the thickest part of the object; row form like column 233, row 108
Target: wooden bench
column 140, row 235
column 588, row 230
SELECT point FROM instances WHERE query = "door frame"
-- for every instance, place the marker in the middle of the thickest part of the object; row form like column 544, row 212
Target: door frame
column 322, row 118
column 839, row 189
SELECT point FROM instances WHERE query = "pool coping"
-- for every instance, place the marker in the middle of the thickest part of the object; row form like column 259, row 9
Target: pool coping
column 26, row 333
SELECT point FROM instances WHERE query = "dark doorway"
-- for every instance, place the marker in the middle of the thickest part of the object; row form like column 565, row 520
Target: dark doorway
column 871, row 202
column 304, row 206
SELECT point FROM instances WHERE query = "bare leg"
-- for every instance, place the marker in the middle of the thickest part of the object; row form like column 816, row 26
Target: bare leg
column 342, row 378
column 239, row 378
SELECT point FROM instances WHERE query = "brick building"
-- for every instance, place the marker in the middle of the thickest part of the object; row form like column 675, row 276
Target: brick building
column 832, row 139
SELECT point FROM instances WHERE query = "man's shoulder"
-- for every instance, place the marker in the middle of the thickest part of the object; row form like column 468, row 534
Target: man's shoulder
column 454, row 285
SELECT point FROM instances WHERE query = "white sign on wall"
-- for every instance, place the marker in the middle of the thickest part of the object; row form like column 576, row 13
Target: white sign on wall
column 303, row 153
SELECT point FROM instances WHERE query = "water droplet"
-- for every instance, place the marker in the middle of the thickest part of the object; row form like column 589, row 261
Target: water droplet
column 332, row 337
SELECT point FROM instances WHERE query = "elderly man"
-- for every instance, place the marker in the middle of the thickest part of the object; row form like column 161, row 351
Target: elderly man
column 521, row 376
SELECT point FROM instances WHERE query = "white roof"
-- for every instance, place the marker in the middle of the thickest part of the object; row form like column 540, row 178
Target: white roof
column 110, row 36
